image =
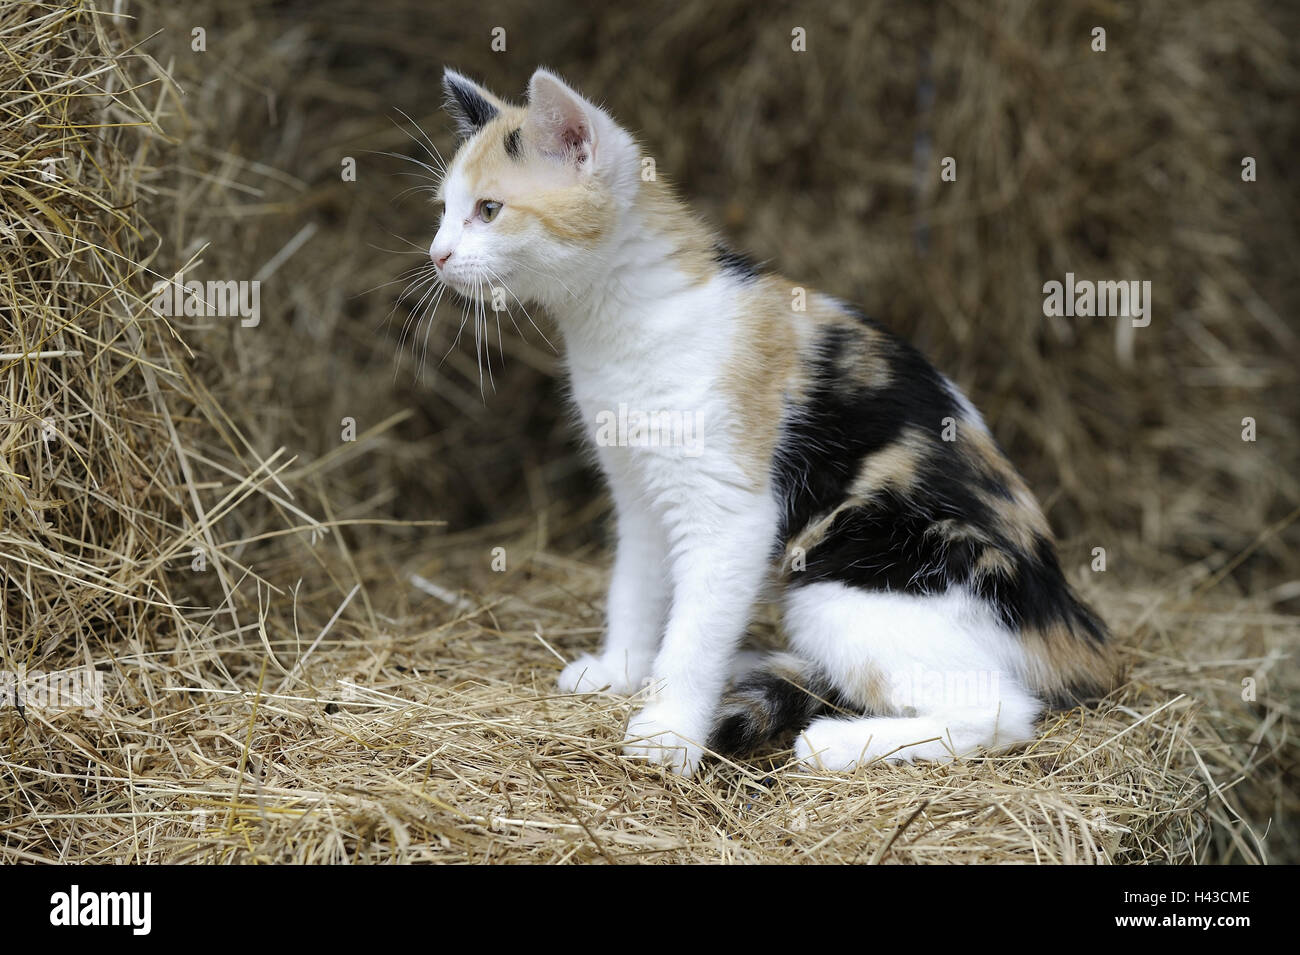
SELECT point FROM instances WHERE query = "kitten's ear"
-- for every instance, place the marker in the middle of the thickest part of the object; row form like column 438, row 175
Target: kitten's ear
column 469, row 104
column 560, row 122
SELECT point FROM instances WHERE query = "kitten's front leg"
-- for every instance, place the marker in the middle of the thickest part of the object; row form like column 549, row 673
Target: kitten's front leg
column 721, row 554
column 638, row 598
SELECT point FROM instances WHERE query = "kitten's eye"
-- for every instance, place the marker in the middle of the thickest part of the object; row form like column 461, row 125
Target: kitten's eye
column 488, row 209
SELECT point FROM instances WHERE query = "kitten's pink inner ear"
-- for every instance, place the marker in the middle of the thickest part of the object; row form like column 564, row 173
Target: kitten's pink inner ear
column 559, row 122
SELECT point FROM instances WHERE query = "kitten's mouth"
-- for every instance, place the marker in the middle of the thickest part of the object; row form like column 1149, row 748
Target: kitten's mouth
column 460, row 286
column 477, row 287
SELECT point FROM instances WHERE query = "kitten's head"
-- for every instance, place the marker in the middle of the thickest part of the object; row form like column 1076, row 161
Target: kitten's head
column 532, row 191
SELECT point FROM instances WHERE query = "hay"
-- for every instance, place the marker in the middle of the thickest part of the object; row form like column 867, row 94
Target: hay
column 298, row 698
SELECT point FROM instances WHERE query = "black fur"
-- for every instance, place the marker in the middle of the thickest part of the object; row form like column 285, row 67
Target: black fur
column 467, row 106
column 842, row 422
column 923, row 541
column 512, row 143
column 768, row 702
column 735, row 263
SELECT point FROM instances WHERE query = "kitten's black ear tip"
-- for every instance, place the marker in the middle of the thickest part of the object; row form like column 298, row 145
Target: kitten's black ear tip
column 469, row 104
column 454, row 83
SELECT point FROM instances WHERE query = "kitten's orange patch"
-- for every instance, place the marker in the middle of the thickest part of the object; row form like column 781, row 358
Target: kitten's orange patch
column 773, row 348
column 1062, row 663
column 894, row 466
column 865, row 686
column 763, row 368
column 534, row 189
column 1017, row 518
column 994, row 561
column 809, row 537
column 579, row 215
column 862, row 363
column 666, row 215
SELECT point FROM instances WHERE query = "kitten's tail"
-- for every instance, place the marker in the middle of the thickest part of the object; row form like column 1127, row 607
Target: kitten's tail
column 784, row 693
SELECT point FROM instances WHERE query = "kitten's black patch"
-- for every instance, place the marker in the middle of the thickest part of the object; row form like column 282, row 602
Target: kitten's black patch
column 841, row 422
column 467, row 106
column 768, row 702
column 945, row 530
column 512, row 143
column 1035, row 595
column 735, row 263
column 896, row 543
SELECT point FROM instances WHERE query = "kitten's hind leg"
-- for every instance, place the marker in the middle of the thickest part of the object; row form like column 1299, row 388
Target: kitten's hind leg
column 940, row 735
column 938, row 676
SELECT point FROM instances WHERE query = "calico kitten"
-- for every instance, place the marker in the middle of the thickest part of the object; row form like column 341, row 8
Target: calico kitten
column 925, row 610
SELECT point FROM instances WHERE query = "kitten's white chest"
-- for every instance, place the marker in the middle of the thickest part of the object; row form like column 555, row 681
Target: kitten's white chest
column 646, row 385
column 665, row 357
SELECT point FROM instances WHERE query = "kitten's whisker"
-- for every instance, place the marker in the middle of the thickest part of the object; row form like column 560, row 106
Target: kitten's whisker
column 414, row 318
column 480, row 336
column 424, row 274
column 422, row 249
column 435, row 174
column 418, row 250
column 464, row 316
column 428, row 317
column 388, row 319
column 416, row 283
column 478, row 341
column 430, row 147
column 518, row 330
column 404, row 276
column 416, row 315
column 524, row 309
column 501, row 342
column 407, row 192
column 550, row 275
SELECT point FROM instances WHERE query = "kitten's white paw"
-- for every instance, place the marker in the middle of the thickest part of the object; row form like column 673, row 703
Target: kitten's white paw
column 822, row 746
column 592, row 674
column 840, row 745
column 664, row 736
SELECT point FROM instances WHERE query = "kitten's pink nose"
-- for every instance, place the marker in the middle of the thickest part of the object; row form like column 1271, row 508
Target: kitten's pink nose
column 440, row 258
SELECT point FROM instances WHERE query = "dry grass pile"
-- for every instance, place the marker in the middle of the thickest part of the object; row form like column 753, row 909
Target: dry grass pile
column 301, row 663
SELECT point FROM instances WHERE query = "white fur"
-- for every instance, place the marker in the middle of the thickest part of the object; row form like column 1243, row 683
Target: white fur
column 636, row 608
column 949, row 664
column 716, row 530
column 969, row 412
